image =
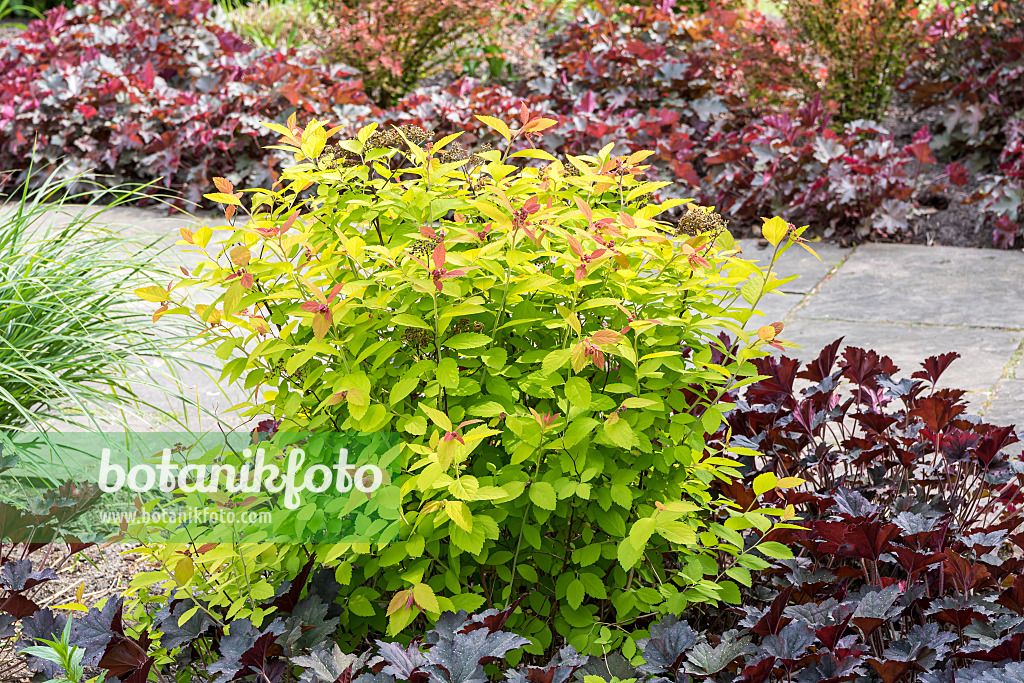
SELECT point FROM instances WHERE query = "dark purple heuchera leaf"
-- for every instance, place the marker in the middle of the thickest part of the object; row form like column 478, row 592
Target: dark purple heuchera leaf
column 934, row 366
column 862, row 367
column 777, row 388
column 308, row 626
column 17, row 605
column 852, row 504
column 758, row 672
column 1013, row 597
column 125, row 657
column 893, row 671
column 967, row 576
column 246, row 650
column 669, row 642
column 450, row 623
column 831, row 635
column 174, row 636
column 45, row 624
column 460, row 659
column 821, row 367
column 328, row 664
column 559, row 670
column 832, row 670
column 289, row 592
column 1010, row 647
column 791, row 643
column 1011, row 673
column 17, row 575
column 704, row 660
column 404, row 662
column 774, row 620
column 958, row 611
column 7, row 626
column 937, row 411
column 923, row 644
column 95, row 630
column 994, row 442
column 875, row 607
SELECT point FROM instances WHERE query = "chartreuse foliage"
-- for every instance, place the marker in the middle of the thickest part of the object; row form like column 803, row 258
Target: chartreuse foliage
column 546, row 348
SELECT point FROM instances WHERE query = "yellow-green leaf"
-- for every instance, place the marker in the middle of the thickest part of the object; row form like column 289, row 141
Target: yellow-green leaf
column 223, row 198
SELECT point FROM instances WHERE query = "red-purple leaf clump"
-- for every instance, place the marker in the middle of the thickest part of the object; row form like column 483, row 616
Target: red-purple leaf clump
column 969, row 71
column 153, row 90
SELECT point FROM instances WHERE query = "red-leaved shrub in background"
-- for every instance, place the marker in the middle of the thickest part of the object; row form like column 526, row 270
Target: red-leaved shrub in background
column 646, row 79
column 972, row 69
column 153, row 90
column 857, row 180
column 717, row 97
column 395, row 43
column 698, row 91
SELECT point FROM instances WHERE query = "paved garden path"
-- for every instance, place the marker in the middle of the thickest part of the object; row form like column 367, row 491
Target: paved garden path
column 910, row 302
column 907, row 302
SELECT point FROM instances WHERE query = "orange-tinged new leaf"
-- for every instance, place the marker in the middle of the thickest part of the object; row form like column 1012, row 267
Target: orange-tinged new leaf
column 399, row 601
column 223, row 185
column 320, row 326
column 240, row 256
column 766, row 333
column 497, row 124
column 186, row 235
column 537, row 125
column 584, row 207
column 603, row 337
column 575, row 245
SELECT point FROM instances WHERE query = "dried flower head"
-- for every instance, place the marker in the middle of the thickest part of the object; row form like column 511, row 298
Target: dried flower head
column 416, row 338
column 334, row 156
column 424, row 247
column 698, row 220
column 452, row 154
column 393, row 137
column 477, row 160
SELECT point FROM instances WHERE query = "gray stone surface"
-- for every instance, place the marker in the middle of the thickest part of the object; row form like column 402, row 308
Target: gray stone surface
column 797, row 261
column 985, row 352
column 931, row 285
column 1008, row 404
column 774, row 307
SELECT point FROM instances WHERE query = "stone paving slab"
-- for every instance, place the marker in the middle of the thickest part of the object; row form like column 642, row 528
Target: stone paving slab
column 1008, row 405
column 930, row 285
column 985, row 352
column 797, row 261
column 774, row 307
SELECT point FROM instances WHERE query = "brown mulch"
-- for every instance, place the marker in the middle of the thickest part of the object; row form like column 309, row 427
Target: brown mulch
column 102, row 572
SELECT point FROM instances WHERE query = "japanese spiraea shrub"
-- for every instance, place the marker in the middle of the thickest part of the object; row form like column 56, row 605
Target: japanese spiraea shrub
column 547, row 350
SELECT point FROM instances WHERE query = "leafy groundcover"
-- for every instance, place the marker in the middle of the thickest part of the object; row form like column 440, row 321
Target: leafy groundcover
column 908, row 566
